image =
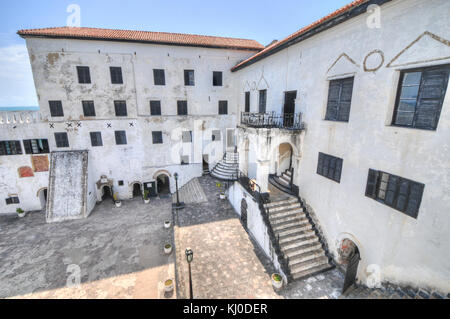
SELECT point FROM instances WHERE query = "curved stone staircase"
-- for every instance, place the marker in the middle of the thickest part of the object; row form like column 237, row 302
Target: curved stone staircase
column 296, row 237
column 282, row 182
column 227, row 169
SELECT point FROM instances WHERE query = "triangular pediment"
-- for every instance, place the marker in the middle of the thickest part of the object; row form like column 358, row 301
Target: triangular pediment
column 427, row 47
column 342, row 65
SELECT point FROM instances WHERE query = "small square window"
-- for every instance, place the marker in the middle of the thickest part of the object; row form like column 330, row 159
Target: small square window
column 61, row 139
column 217, row 78
column 187, row 136
column 157, row 137
column 120, row 183
column 159, row 77
column 96, row 139
column 84, row 76
column 185, row 160
column 215, row 135
column 223, row 107
column 116, row 75
column 56, row 109
column 182, row 108
column 121, row 137
column 12, row 200
column 88, row 108
column 120, row 108
column 189, row 78
column 155, row 108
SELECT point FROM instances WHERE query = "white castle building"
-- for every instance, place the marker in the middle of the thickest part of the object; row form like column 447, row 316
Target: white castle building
column 348, row 119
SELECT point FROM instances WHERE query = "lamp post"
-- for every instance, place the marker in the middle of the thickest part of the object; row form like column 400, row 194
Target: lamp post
column 189, row 258
column 178, row 205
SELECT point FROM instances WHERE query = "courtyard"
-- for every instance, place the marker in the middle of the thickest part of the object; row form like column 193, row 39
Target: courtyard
column 117, row 252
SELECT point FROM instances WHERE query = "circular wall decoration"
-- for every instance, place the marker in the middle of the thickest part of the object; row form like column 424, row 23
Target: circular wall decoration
column 373, row 61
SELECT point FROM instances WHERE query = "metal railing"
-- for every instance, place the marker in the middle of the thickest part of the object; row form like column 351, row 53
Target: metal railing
column 291, row 121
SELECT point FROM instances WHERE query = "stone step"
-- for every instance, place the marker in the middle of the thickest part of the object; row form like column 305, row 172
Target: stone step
column 292, row 230
column 297, row 235
column 283, row 182
column 227, row 165
column 225, row 170
column 223, row 176
column 306, row 256
column 311, row 271
column 299, row 267
column 284, row 207
column 289, row 224
column 314, row 245
column 286, row 178
column 286, row 218
column 285, row 213
column 286, row 246
column 281, row 202
column 288, row 173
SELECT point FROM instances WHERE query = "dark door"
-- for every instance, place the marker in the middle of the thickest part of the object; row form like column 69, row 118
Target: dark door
column 352, row 269
column 45, row 195
column 289, row 108
column 244, row 212
column 151, row 188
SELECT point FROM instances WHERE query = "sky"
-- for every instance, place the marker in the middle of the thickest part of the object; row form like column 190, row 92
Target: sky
column 261, row 20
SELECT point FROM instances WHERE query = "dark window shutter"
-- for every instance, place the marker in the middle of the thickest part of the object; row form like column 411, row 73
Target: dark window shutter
column 247, row 102
column 391, row 191
column 18, row 147
column 45, row 147
column 372, row 179
column 333, row 101
column 155, row 107
column 339, row 100
column 27, row 146
column 415, row 198
column 320, row 164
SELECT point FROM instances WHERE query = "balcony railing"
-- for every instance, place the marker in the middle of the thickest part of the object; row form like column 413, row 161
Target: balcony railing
column 272, row 120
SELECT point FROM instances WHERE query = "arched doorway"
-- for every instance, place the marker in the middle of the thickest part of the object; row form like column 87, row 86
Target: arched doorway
column 284, row 160
column 349, row 257
column 163, row 184
column 137, row 190
column 106, row 192
column 42, row 194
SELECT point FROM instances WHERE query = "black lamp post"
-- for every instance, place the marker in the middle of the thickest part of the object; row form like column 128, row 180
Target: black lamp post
column 178, row 205
column 189, row 258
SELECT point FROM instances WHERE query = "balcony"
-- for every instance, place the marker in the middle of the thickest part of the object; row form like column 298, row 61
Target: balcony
column 273, row 120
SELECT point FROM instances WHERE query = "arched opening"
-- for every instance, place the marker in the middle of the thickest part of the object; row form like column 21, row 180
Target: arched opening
column 137, row 190
column 349, row 257
column 106, row 192
column 42, row 194
column 163, row 184
column 284, row 160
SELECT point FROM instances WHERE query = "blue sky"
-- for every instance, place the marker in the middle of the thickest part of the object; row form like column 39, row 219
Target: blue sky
column 262, row 20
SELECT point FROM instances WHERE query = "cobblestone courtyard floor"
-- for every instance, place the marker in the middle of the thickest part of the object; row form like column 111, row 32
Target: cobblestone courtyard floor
column 119, row 252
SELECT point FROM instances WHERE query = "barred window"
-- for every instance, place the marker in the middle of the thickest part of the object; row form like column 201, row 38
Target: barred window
column 157, row 137
column 121, row 108
column 88, row 108
column 116, row 75
column 396, row 192
column 121, row 137
column 96, row 138
column 223, row 107
column 61, row 139
column 247, row 102
column 10, row 148
column 330, row 167
column 84, row 76
column 339, row 100
column 155, row 107
column 56, row 109
column 36, row 146
column 217, row 78
column 189, row 79
column 12, row 200
column 262, row 101
column 159, row 77
column 182, row 108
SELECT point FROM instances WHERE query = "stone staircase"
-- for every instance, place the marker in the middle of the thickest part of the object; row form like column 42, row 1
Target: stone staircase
column 190, row 193
column 282, row 182
column 227, row 168
column 296, row 237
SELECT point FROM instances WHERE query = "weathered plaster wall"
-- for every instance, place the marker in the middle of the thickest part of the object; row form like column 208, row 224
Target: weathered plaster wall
column 407, row 250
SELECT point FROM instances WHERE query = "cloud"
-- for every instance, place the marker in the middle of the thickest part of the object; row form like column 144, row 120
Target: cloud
column 16, row 79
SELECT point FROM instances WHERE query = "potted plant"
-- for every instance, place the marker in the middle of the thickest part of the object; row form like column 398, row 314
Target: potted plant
column 20, row 212
column 167, row 249
column 167, row 224
column 222, row 192
column 146, row 197
column 168, row 285
column 118, row 203
column 277, row 281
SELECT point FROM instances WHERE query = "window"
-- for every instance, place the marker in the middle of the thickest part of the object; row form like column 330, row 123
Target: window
column 159, row 77
column 10, row 148
column 217, row 78
column 84, row 76
column 36, row 146
column 215, row 135
column 420, row 97
column 121, row 137
column 116, row 75
column 12, row 200
column 120, row 183
column 187, row 136
column 247, row 102
column 56, row 108
column 262, row 101
column 189, row 78
column 155, row 107
column 96, row 138
column 223, row 107
column 88, row 108
column 339, row 100
column 399, row 193
column 330, row 167
column 61, row 139
column 157, row 137
column 120, row 108
column 185, row 160
column 182, row 108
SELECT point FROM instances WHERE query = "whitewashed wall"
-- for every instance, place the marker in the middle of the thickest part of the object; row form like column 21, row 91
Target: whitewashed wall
column 407, row 250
